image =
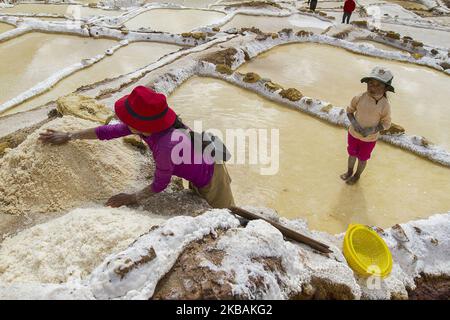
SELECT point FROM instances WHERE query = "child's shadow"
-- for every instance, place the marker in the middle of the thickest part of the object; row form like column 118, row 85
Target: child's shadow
column 350, row 206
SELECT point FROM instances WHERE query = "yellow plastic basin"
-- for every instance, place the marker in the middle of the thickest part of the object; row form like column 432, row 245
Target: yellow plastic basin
column 366, row 252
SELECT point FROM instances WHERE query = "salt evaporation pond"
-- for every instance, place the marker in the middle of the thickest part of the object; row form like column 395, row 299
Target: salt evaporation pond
column 127, row 59
column 187, row 3
column 397, row 186
column 368, row 2
column 329, row 4
column 409, row 5
column 36, row 8
column 63, row 9
column 431, row 37
column 381, row 46
column 274, row 24
column 30, row 65
column 420, row 103
column 173, row 20
column 445, row 20
column 5, row 27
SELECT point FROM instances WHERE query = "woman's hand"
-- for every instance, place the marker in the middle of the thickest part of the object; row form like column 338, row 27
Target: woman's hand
column 122, row 199
column 54, row 137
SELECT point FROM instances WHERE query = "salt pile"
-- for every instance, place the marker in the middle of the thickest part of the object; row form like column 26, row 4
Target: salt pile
column 70, row 247
column 35, row 177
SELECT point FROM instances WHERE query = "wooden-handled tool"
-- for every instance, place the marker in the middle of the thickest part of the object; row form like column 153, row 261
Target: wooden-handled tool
column 294, row 235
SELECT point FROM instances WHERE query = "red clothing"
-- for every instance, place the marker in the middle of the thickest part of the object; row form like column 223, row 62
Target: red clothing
column 359, row 149
column 349, row 6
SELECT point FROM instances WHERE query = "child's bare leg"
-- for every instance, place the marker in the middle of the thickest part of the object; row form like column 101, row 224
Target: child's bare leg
column 351, row 165
column 359, row 171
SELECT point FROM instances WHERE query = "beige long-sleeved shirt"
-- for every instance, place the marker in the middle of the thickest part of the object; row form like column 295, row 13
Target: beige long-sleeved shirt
column 369, row 113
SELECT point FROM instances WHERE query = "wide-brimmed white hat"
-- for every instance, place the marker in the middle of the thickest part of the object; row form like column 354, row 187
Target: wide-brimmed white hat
column 383, row 75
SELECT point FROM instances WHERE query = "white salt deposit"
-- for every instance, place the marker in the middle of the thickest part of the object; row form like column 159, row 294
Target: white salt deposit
column 70, row 247
column 140, row 275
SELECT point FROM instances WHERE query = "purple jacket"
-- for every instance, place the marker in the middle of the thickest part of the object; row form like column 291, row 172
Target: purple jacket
column 161, row 146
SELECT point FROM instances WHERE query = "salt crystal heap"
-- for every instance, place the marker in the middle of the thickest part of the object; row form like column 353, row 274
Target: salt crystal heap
column 35, row 177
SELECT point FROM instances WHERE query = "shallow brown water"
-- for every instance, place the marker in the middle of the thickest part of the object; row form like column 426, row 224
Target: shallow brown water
column 70, row 10
column 24, row 61
column 420, row 103
column 274, row 24
column 5, row 27
column 172, row 20
column 127, row 59
column 396, row 187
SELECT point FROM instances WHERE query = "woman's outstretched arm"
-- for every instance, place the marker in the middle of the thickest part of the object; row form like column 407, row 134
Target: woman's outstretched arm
column 60, row 137
column 84, row 134
column 106, row 132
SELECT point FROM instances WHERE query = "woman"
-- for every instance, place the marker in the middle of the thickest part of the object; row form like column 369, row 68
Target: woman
column 369, row 113
column 146, row 113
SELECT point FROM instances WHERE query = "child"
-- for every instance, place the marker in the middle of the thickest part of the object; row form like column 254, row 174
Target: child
column 369, row 113
column 146, row 113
